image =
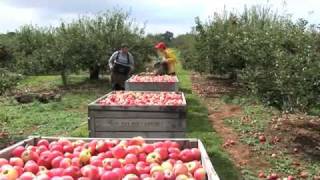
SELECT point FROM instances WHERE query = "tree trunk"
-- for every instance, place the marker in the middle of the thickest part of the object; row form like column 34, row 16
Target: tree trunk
column 94, row 72
column 64, row 78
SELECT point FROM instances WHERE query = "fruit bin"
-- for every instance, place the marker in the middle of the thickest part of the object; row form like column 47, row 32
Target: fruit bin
column 131, row 85
column 184, row 143
column 150, row 121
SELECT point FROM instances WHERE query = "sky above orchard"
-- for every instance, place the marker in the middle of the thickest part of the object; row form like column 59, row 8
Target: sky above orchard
column 159, row 16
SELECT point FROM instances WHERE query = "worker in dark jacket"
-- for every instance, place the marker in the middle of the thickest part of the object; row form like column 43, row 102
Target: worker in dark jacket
column 121, row 64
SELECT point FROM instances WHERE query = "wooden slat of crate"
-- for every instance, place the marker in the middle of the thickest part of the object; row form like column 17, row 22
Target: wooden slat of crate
column 138, row 124
column 143, row 134
column 185, row 143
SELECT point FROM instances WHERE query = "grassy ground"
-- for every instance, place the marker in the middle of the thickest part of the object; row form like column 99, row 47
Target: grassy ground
column 62, row 118
column 200, row 127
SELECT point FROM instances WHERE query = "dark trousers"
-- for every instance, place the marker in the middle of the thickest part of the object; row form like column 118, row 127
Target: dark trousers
column 118, row 81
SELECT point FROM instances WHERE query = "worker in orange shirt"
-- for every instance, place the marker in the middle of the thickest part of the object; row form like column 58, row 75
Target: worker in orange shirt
column 168, row 58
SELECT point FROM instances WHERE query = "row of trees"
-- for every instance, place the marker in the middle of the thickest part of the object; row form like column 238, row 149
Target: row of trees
column 273, row 57
column 84, row 44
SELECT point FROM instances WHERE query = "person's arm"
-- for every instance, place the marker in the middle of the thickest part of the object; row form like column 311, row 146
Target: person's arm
column 111, row 60
column 131, row 62
column 171, row 57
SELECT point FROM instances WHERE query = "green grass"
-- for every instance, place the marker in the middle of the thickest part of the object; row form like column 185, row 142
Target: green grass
column 63, row 118
column 48, row 82
column 198, row 126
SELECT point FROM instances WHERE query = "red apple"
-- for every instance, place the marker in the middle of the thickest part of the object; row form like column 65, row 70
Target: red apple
column 175, row 145
column 42, row 177
column 68, row 148
column 55, row 172
column 75, row 162
column 17, row 152
column 57, row 147
column 186, row 155
column 173, row 150
column 96, row 161
column 101, row 146
column 200, row 174
column 182, row 177
column 55, row 163
column 118, row 152
column 18, row 169
column 142, row 157
column 110, row 175
column 148, row 148
column 131, row 177
column 16, row 161
column 29, row 155
column 41, row 149
column 65, row 162
column 196, row 154
column 3, row 161
column 111, row 163
column 262, row 138
column 169, row 175
column 136, row 141
column 163, row 152
column 174, row 156
column 180, row 169
column 131, row 159
column 119, row 171
column 72, row 171
column 91, row 172
column 43, row 142
column 134, row 149
column 31, row 166
column 27, row 176
column 130, row 169
column 142, row 167
column 158, row 175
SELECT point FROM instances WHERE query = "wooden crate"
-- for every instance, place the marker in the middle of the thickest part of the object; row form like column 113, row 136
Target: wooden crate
column 129, row 121
column 152, row 86
column 185, row 143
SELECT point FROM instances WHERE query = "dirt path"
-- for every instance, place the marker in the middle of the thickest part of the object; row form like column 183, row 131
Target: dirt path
column 214, row 89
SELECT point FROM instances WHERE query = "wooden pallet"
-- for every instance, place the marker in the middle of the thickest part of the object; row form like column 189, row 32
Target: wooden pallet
column 185, row 143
